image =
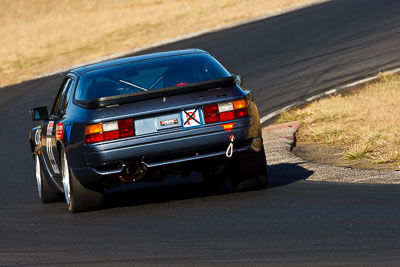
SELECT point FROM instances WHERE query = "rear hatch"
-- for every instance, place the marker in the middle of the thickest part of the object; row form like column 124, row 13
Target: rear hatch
column 158, row 115
column 170, row 125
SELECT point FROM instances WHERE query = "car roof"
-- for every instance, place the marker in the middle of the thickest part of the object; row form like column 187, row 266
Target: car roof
column 81, row 70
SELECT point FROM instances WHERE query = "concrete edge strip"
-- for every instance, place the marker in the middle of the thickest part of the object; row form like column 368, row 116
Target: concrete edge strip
column 186, row 36
column 324, row 94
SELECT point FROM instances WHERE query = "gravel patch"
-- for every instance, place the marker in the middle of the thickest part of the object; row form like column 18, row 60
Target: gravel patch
column 278, row 143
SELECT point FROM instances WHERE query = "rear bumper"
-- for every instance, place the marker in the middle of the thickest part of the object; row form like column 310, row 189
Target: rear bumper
column 195, row 146
column 170, row 144
column 88, row 175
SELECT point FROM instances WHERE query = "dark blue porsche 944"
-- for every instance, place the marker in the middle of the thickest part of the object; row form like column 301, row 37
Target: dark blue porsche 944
column 143, row 118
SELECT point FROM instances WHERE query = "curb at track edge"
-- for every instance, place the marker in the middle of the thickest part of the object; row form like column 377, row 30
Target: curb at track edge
column 276, row 113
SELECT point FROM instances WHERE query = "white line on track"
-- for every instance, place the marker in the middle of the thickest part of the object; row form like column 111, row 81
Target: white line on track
column 324, row 94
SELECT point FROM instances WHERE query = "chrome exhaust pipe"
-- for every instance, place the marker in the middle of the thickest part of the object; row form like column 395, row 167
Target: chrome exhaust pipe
column 133, row 173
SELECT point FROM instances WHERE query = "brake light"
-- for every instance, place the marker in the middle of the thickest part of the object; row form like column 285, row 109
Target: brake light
column 110, row 130
column 210, row 109
column 227, row 116
column 241, row 113
column 128, row 123
column 225, row 111
column 94, row 138
column 212, row 118
column 126, row 132
column 180, row 84
column 111, row 135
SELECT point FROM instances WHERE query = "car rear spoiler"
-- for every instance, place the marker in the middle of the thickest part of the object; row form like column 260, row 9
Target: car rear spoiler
column 156, row 93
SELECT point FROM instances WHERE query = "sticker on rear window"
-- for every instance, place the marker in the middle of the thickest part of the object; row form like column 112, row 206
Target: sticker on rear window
column 191, row 118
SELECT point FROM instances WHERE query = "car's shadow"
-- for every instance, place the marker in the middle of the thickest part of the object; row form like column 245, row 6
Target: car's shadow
column 178, row 188
column 171, row 189
column 286, row 173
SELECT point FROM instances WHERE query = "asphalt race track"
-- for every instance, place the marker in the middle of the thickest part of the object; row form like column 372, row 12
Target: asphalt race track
column 180, row 222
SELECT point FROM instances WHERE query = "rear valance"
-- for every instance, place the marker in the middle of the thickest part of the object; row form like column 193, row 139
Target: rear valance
column 156, row 93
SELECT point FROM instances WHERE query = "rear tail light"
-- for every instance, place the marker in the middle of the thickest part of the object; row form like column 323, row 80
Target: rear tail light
column 212, row 118
column 126, row 132
column 112, row 135
column 226, row 106
column 227, row 116
column 210, row 109
column 241, row 113
column 123, row 124
column 94, row 128
column 226, row 111
column 94, row 138
column 110, row 130
column 239, row 104
column 110, row 126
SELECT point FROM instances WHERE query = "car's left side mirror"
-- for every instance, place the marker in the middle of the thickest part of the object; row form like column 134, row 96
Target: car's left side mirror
column 39, row 114
column 238, row 79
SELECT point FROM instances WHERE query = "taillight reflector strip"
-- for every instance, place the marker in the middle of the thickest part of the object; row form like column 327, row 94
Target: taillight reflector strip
column 225, row 111
column 110, row 130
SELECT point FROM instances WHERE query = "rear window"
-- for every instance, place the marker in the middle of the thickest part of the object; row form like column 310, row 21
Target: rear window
column 149, row 75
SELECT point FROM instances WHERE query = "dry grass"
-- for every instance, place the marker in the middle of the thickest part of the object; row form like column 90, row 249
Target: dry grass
column 39, row 36
column 366, row 123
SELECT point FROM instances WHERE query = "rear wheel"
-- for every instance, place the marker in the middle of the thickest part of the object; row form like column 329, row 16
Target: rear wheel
column 78, row 197
column 46, row 195
column 250, row 173
column 245, row 184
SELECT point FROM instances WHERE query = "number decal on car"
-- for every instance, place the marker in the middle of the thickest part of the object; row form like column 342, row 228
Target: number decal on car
column 191, row 118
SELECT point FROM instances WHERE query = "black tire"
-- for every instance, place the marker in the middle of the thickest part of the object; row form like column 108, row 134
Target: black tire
column 250, row 173
column 46, row 195
column 78, row 197
column 257, row 182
